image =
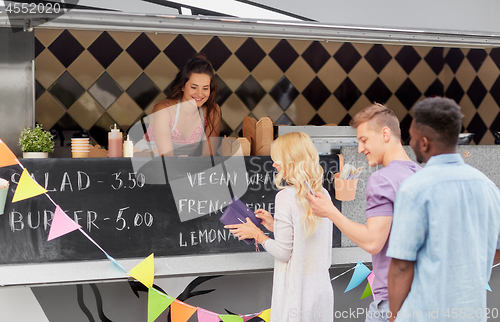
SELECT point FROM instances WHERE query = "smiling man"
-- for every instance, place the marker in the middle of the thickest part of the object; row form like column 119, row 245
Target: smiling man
column 445, row 234
column 379, row 139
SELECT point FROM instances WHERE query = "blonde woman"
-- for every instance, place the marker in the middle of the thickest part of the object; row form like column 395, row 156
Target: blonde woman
column 302, row 242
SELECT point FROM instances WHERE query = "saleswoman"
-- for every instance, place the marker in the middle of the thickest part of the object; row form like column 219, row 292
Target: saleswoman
column 187, row 122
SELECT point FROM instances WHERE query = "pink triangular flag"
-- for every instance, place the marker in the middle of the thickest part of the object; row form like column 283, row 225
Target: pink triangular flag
column 207, row 316
column 370, row 279
column 247, row 317
column 61, row 224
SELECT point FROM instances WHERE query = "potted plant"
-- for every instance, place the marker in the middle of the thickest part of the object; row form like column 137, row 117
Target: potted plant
column 36, row 142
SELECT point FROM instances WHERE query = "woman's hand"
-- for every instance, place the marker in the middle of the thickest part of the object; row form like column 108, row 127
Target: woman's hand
column 244, row 231
column 267, row 219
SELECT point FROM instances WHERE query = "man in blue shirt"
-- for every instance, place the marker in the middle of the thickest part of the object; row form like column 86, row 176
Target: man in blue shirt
column 446, row 226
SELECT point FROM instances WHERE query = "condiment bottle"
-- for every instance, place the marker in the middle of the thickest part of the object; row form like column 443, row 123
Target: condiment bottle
column 115, row 143
column 128, row 148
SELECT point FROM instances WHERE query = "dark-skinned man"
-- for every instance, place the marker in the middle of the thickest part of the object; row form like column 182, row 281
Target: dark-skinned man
column 445, row 231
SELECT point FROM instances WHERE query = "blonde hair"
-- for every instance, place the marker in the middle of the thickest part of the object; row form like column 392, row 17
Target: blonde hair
column 379, row 116
column 299, row 161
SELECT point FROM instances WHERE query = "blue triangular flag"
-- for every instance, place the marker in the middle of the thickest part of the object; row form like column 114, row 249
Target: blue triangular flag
column 359, row 275
column 488, row 287
column 116, row 263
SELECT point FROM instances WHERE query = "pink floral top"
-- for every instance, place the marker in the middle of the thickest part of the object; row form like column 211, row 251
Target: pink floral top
column 176, row 135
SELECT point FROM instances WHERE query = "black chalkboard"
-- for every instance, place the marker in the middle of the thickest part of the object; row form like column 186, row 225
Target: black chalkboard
column 129, row 208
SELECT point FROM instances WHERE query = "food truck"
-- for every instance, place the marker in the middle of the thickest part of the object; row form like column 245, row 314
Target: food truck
column 81, row 67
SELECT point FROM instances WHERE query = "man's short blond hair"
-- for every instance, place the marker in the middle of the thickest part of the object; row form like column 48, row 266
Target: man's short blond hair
column 379, row 116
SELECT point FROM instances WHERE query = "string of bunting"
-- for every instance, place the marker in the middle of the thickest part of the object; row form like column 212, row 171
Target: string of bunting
column 143, row 272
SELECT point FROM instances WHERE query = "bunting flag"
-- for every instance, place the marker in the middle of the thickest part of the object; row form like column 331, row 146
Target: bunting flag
column 367, row 292
column 144, row 272
column 370, row 279
column 27, row 188
column 6, row 156
column 248, row 317
column 488, row 287
column 206, row 316
column 265, row 315
column 181, row 312
column 230, row 318
column 157, row 303
column 61, row 224
column 360, row 273
column 116, row 263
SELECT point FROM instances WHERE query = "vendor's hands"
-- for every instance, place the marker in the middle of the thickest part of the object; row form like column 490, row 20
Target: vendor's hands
column 266, row 217
column 321, row 205
column 244, row 231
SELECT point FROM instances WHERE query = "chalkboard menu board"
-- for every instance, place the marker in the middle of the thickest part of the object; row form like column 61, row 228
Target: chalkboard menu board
column 133, row 208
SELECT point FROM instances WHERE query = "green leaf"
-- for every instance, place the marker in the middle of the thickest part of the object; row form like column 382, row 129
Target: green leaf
column 36, row 140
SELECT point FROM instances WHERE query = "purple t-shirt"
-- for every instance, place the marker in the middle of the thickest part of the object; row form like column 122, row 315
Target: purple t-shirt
column 381, row 190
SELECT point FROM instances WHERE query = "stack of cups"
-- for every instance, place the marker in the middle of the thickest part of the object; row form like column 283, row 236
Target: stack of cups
column 80, row 148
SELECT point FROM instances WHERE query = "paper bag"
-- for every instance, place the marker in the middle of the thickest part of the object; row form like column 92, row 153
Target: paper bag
column 97, row 152
column 249, row 124
column 264, row 134
column 235, row 146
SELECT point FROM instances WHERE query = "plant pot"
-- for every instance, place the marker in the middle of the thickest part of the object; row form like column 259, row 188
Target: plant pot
column 35, row 155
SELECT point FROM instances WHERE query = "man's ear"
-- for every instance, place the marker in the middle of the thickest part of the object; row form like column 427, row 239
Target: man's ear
column 424, row 144
column 386, row 133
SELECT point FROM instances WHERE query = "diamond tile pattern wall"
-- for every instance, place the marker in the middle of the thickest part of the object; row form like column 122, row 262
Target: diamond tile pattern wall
column 104, row 49
column 66, row 48
column 284, row 93
column 435, row 59
column 316, row 56
column 216, row 52
column 250, row 54
column 66, row 90
column 250, row 92
column 143, row 51
column 116, row 77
